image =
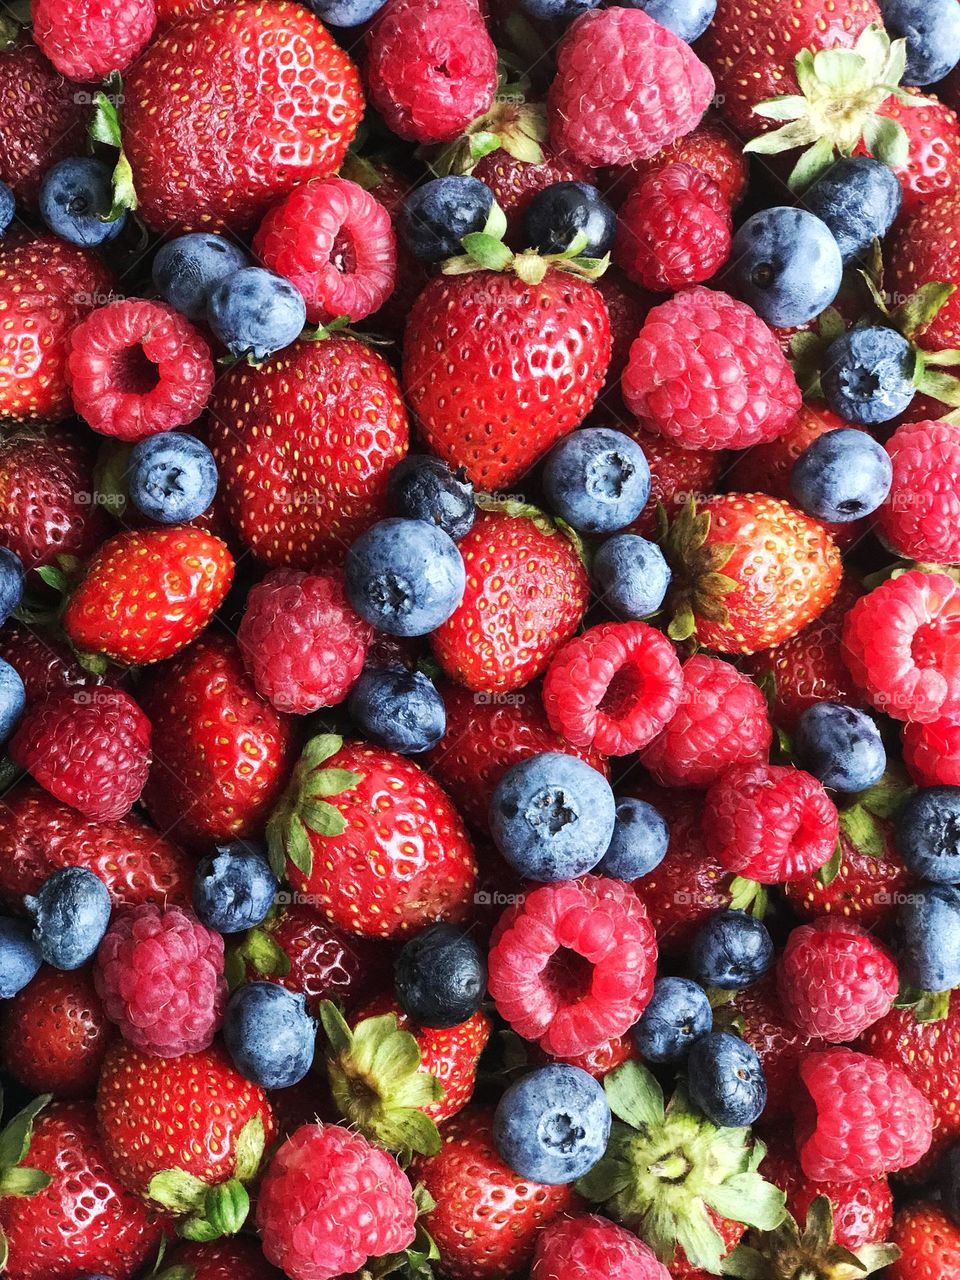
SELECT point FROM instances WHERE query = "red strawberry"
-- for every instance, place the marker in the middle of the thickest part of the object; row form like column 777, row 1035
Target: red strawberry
column 676, row 476
column 237, row 1258
column 758, row 1016
column 926, row 247
column 43, row 659
column 731, row 1233
column 933, row 134
column 929, row 1243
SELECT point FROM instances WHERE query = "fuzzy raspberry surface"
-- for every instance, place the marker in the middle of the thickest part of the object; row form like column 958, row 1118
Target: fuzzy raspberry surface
column 920, row 519
column 587, row 1246
column 931, row 753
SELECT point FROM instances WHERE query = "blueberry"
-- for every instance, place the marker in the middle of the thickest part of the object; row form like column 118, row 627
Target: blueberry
column 841, row 746
column 631, row 575
column 858, row 198
column 75, row 197
column 929, row 928
column 8, row 207
column 171, row 477
column 11, row 582
column 597, row 479
column 843, row 475
column 424, row 488
column 552, row 816
column 731, row 951
column 687, row 19
column 950, row 1183
column 186, row 269
column 927, row 834
column 566, row 211
column 269, row 1034
column 71, row 911
column 867, row 376
column 441, row 977
column 13, row 699
column 786, row 265
column 639, row 844
column 553, row 1125
column 255, row 313
column 233, row 888
column 726, row 1080
column 678, row 1014
column 436, row 216
column 405, row 577
column 345, row 13
column 398, row 708
column 931, row 29
column 557, row 10
column 20, row 956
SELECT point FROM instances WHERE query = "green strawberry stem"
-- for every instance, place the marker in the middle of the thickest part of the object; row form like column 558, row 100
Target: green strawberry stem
column 485, row 251
column 17, row 1179
column 787, row 1253
column 698, row 585
column 304, row 807
column 511, row 125
column 104, row 127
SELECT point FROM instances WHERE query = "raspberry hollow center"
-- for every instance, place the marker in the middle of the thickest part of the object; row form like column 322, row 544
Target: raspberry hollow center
column 569, row 975
column 134, row 373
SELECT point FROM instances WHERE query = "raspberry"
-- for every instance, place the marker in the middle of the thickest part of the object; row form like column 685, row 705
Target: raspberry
column 159, row 973
column 335, row 242
column 301, row 642
column 431, row 67
column 920, row 519
column 834, row 980
column 707, row 372
column 931, row 753
column 88, row 747
column 329, row 1201
column 138, row 367
column 769, row 822
column 858, row 1117
column 87, row 39
column 674, row 229
column 613, row 688
column 588, row 1246
column 721, row 720
column 625, row 87
column 900, row 643
column 574, row 964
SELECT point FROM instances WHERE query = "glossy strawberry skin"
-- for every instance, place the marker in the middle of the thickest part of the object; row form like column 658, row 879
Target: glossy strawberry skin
column 235, row 1258
column 929, row 1243
column 43, row 659
column 42, row 118
column 760, row 1019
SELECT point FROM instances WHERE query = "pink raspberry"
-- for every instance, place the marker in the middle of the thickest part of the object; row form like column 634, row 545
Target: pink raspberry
column 722, row 720
column 136, row 368
column 87, row 39
column 931, row 753
column 88, row 747
column 920, row 519
column 336, row 244
column 431, row 67
column 159, row 973
column 301, row 641
column 706, row 372
column 588, row 1247
column 673, row 230
column 573, row 965
column 613, row 688
column 329, row 1201
column 834, row 980
column 769, row 822
column 625, row 87
column 858, row 1117
column 900, row 643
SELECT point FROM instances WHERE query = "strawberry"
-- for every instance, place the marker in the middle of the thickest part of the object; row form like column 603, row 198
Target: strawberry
column 43, row 659
column 933, row 133
column 504, row 633
column 929, row 1243
column 676, row 476
column 239, row 1258
column 925, row 247
column 222, row 753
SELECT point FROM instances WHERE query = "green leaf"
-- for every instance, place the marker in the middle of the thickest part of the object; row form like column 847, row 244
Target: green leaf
column 922, row 307
column 104, row 124
column 683, row 625
column 198, row 1229
column 226, row 1207
column 4, row 1251
column 182, row 1272
column 322, row 818
column 745, row 1263
column 634, row 1095
column 798, row 133
column 699, row 1238
column 423, row 1200
column 336, row 1027
column 265, row 954
column 21, row 1181
column 124, row 192
column 15, row 1138
column 887, row 141
column 496, row 223
column 177, row 1190
column 749, row 1198
column 481, row 144
column 409, row 1130
column 813, row 164
column 941, row 386
column 487, row 251
column 248, row 1151
column 831, row 869
column 299, row 849
column 332, row 782
column 792, row 106
column 860, row 827
column 319, row 749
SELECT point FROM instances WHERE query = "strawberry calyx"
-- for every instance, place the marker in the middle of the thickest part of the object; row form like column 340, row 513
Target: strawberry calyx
column 927, row 1006
column 256, row 950
column 698, row 586
column 376, row 1081
column 790, row 1252
column 667, row 1167
column 860, row 820
column 16, row 1178
column 305, row 808
column 749, row 895
column 527, row 511
column 485, row 251
column 415, row 1261
column 104, row 128
column 511, row 125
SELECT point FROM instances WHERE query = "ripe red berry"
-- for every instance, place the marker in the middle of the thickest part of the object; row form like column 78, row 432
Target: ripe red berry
column 588, row 1246
column 87, row 39
column 711, row 148
column 920, row 519
column 929, row 1243
column 931, row 752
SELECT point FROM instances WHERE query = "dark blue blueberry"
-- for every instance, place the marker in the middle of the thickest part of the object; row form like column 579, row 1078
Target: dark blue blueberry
column 597, row 479
column 11, row 582
column 553, row 1125
column 441, row 977
column 786, row 264
column 186, row 269
column 424, row 488
column 71, row 911
column 639, row 844
column 269, row 1034
column 841, row 746
column 75, row 197
column 8, row 207
column 20, row 956
column 867, row 375
column 688, row 19
column 436, row 216
column 630, row 575
column 398, row 708
column 678, row 1014
column 345, row 13
column 255, row 313
column 931, row 29
column 405, row 577
column 929, row 928
column 234, row 887
column 950, row 1183
column 726, row 1080
column 843, row 475
column 858, row 198
column 927, row 834
column 171, row 477
column 568, row 211
column 731, row 951
column 552, row 816
column 557, row 10
column 13, row 698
